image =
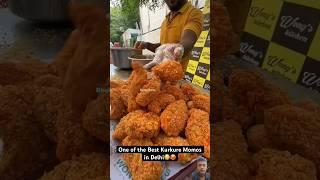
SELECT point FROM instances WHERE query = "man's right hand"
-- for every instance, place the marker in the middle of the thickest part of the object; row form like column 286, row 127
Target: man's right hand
column 146, row 45
column 140, row 45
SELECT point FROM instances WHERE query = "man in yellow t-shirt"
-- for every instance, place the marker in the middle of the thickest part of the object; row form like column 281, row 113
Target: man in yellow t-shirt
column 180, row 29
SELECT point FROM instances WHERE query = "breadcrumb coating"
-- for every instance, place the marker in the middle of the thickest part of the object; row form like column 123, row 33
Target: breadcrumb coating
column 46, row 105
column 95, row 118
column 296, row 130
column 136, row 81
column 230, row 156
column 91, row 166
column 160, row 102
column 149, row 91
column 202, row 102
column 118, row 108
column 272, row 164
column 120, row 131
column 174, row 90
column 141, row 170
column 198, row 130
column 189, row 90
column 174, row 118
column 169, row 71
column 146, row 125
column 257, row 138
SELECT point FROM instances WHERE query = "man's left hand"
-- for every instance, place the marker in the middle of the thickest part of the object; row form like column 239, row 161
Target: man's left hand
column 173, row 52
column 166, row 52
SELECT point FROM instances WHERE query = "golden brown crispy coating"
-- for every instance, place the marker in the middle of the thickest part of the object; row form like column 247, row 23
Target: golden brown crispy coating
column 272, row 164
column 148, row 170
column 143, row 126
column 10, row 74
column 160, row 102
column 116, row 83
column 230, row 156
column 91, row 166
column 60, row 64
column 221, row 30
column 141, row 170
column 309, row 105
column 48, row 80
column 243, row 81
column 118, row 109
column 202, row 102
column 296, row 130
column 225, row 109
column 120, row 131
column 130, row 141
column 218, row 106
column 86, row 67
column 124, row 90
column 45, row 108
column 242, row 115
column 164, row 140
column 174, row 118
column 189, row 90
column 95, row 118
column 149, row 91
column 174, row 90
column 132, row 158
column 137, row 79
column 34, row 68
column 198, row 130
column 20, row 73
column 169, row 71
column 16, row 101
column 248, row 88
column 263, row 98
column 73, row 139
column 27, row 151
column 257, row 138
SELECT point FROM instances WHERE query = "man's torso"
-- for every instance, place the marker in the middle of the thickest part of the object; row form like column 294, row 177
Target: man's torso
column 173, row 26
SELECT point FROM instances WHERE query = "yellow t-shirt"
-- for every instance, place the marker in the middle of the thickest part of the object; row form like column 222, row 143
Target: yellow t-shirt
column 188, row 17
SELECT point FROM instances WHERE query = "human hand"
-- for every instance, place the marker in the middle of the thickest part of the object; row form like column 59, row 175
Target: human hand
column 140, row 45
column 166, row 52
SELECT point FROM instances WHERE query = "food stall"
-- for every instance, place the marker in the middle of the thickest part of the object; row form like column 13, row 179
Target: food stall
column 195, row 80
column 264, row 109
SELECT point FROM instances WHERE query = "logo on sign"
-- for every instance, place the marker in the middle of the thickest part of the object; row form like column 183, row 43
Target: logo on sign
column 188, row 78
column 311, row 79
column 202, row 70
column 196, row 54
column 291, row 22
column 250, row 54
column 261, row 16
column 206, row 86
column 247, row 48
column 256, row 11
column 295, row 29
column 276, row 62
